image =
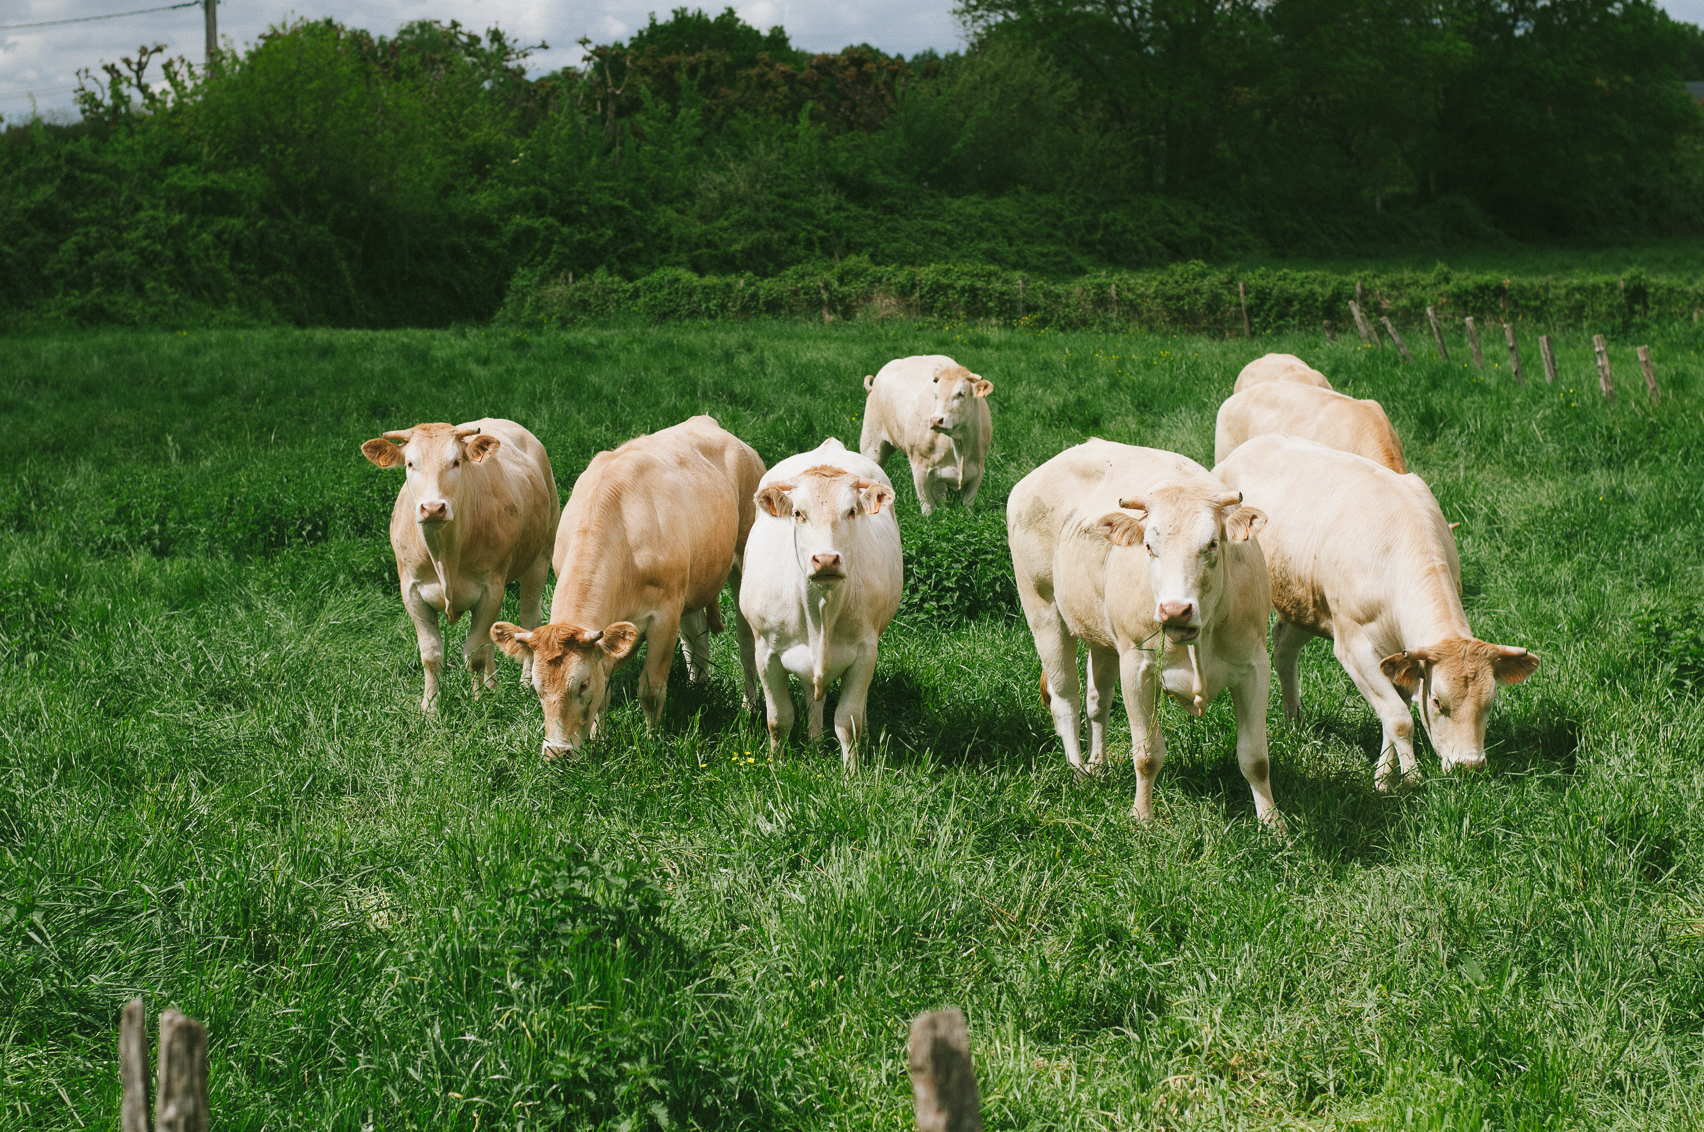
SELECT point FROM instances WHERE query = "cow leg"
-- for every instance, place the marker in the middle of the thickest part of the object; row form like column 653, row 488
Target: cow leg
column 659, row 656
column 873, row 442
column 1147, row 738
column 695, row 643
column 778, row 695
column 849, row 714
column 968, row 489
column 478, row 651
column 1103, row 675
column 1287, row 642
column 748, row 647
column 1248, row 701
column 923, row 479
column 1396, row 745
column 531, row 612
column 430, row 635
column 1058, row 651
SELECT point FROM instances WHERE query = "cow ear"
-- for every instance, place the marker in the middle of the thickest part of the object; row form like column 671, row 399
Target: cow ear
column 874, row 496
column 982, row 386
column 382, row 452
column 1118, row 528
column 1513, row 665
column 1243, row 522
column 482, row 446
column 776, row 500
column 513, row 639
column 619, row 640
column 1404, row 669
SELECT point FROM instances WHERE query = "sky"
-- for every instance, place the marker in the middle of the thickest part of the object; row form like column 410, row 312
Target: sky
column 42, row 63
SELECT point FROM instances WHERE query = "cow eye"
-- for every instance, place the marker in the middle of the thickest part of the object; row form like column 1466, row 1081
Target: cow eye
column 455, row 463
column 1213, row 545
column 584, row 684
column 411, row 463
column 1152, row 553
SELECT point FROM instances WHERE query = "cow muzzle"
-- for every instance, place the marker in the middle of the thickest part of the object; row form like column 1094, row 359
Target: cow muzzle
column 827, row 568
column 1176, row 618
column 938, row 423
column 433, row 511
column 1466, row 762
column 553, row 751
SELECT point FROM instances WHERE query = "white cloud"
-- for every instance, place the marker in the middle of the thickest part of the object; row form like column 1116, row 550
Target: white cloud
column 44, row 61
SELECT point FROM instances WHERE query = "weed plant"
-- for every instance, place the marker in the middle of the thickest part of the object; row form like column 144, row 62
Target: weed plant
column 217, row 789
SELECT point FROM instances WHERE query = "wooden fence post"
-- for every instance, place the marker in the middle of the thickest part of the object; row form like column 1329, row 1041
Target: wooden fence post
column 1242, row 299
column 1437, row 334
column 1547, row 352
column 1605, row 381
column 1368, row 336
column 943, row 1078
column 1473, row 340
column 1650, row 373
column 180, row 1102
column 1514, row 352
column 1113, row 288
column 1330, row 335
column 133, row 1067
column 1401, row 346
column 822, row 289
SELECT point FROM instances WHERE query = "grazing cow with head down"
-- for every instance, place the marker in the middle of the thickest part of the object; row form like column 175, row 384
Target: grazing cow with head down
column 1363, row 557
column 822, row 580
column 474, row 514
column 1279, row 367
column 650, row 534
column 1150, row 561
column 936, row 412
column 1321, row 415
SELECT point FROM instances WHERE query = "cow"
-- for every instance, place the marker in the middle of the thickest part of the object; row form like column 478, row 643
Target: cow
column 475, row 513
column 1279, row 367
column 936, row 412
column 1321, row 415
column 651, row 533
column 1363, row 557
column 1150, row 561
column 823, row 579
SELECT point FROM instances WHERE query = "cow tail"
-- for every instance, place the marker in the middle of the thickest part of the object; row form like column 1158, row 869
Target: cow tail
column 1046, row 693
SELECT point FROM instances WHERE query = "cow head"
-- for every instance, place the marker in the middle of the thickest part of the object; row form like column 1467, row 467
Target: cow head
column 570, row 671
column 434, row 455
column 1455, row 683
column 956, row 392
column 1183, row 530
column 825, row 504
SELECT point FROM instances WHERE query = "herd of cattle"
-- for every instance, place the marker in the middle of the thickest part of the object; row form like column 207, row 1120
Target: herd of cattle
column 1166, row 571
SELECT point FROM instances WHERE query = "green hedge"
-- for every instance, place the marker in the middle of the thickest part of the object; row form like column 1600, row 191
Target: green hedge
column 1189, row 297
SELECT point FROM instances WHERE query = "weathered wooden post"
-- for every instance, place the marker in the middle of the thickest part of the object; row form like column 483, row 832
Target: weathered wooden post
column 1605, row 381
column 1242, row 298
column 1401, row 346
column 1547, row 352
column 943, row 1078
column 1514, row 352
column 1330, row 335
column 1650, row 373
column 1473, row 341
column 132, row 1067
column 1368, row 336
column 180, row 1102
column 1437, row 334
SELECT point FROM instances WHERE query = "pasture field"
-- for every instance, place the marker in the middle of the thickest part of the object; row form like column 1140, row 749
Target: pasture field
column 217, row 788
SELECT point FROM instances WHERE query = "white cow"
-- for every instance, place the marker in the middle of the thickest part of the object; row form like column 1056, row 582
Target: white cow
column 822, row 580
column 1363, row 557
column 1279, row 367
column 1149, row 560
column 1329, row 417
column 476, row 512
column 936, row 412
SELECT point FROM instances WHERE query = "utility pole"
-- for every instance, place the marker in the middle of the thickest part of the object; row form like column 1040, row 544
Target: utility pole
column 212, row 9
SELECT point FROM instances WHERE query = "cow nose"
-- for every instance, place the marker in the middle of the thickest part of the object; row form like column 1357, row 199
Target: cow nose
column 937, row 421
column 1469, row 762
column 825, row 563
column 555, row 750
column 436, row 511
column 1176, row 612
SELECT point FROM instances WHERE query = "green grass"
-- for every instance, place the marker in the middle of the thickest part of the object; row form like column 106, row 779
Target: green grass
column 217, row 788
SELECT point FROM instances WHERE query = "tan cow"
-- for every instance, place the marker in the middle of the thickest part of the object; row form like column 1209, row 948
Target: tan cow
column 1147, row 559
column 1279, row 367
column 1322, row 415
column 474, row 514
column 1363, row 557
column 651, row 533
column 936, row 412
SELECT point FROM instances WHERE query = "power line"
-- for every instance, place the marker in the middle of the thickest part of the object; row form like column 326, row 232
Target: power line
column 38, row 93
column 114, row 16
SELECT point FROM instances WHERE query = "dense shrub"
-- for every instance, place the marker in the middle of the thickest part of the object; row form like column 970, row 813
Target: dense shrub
column 957, row 567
